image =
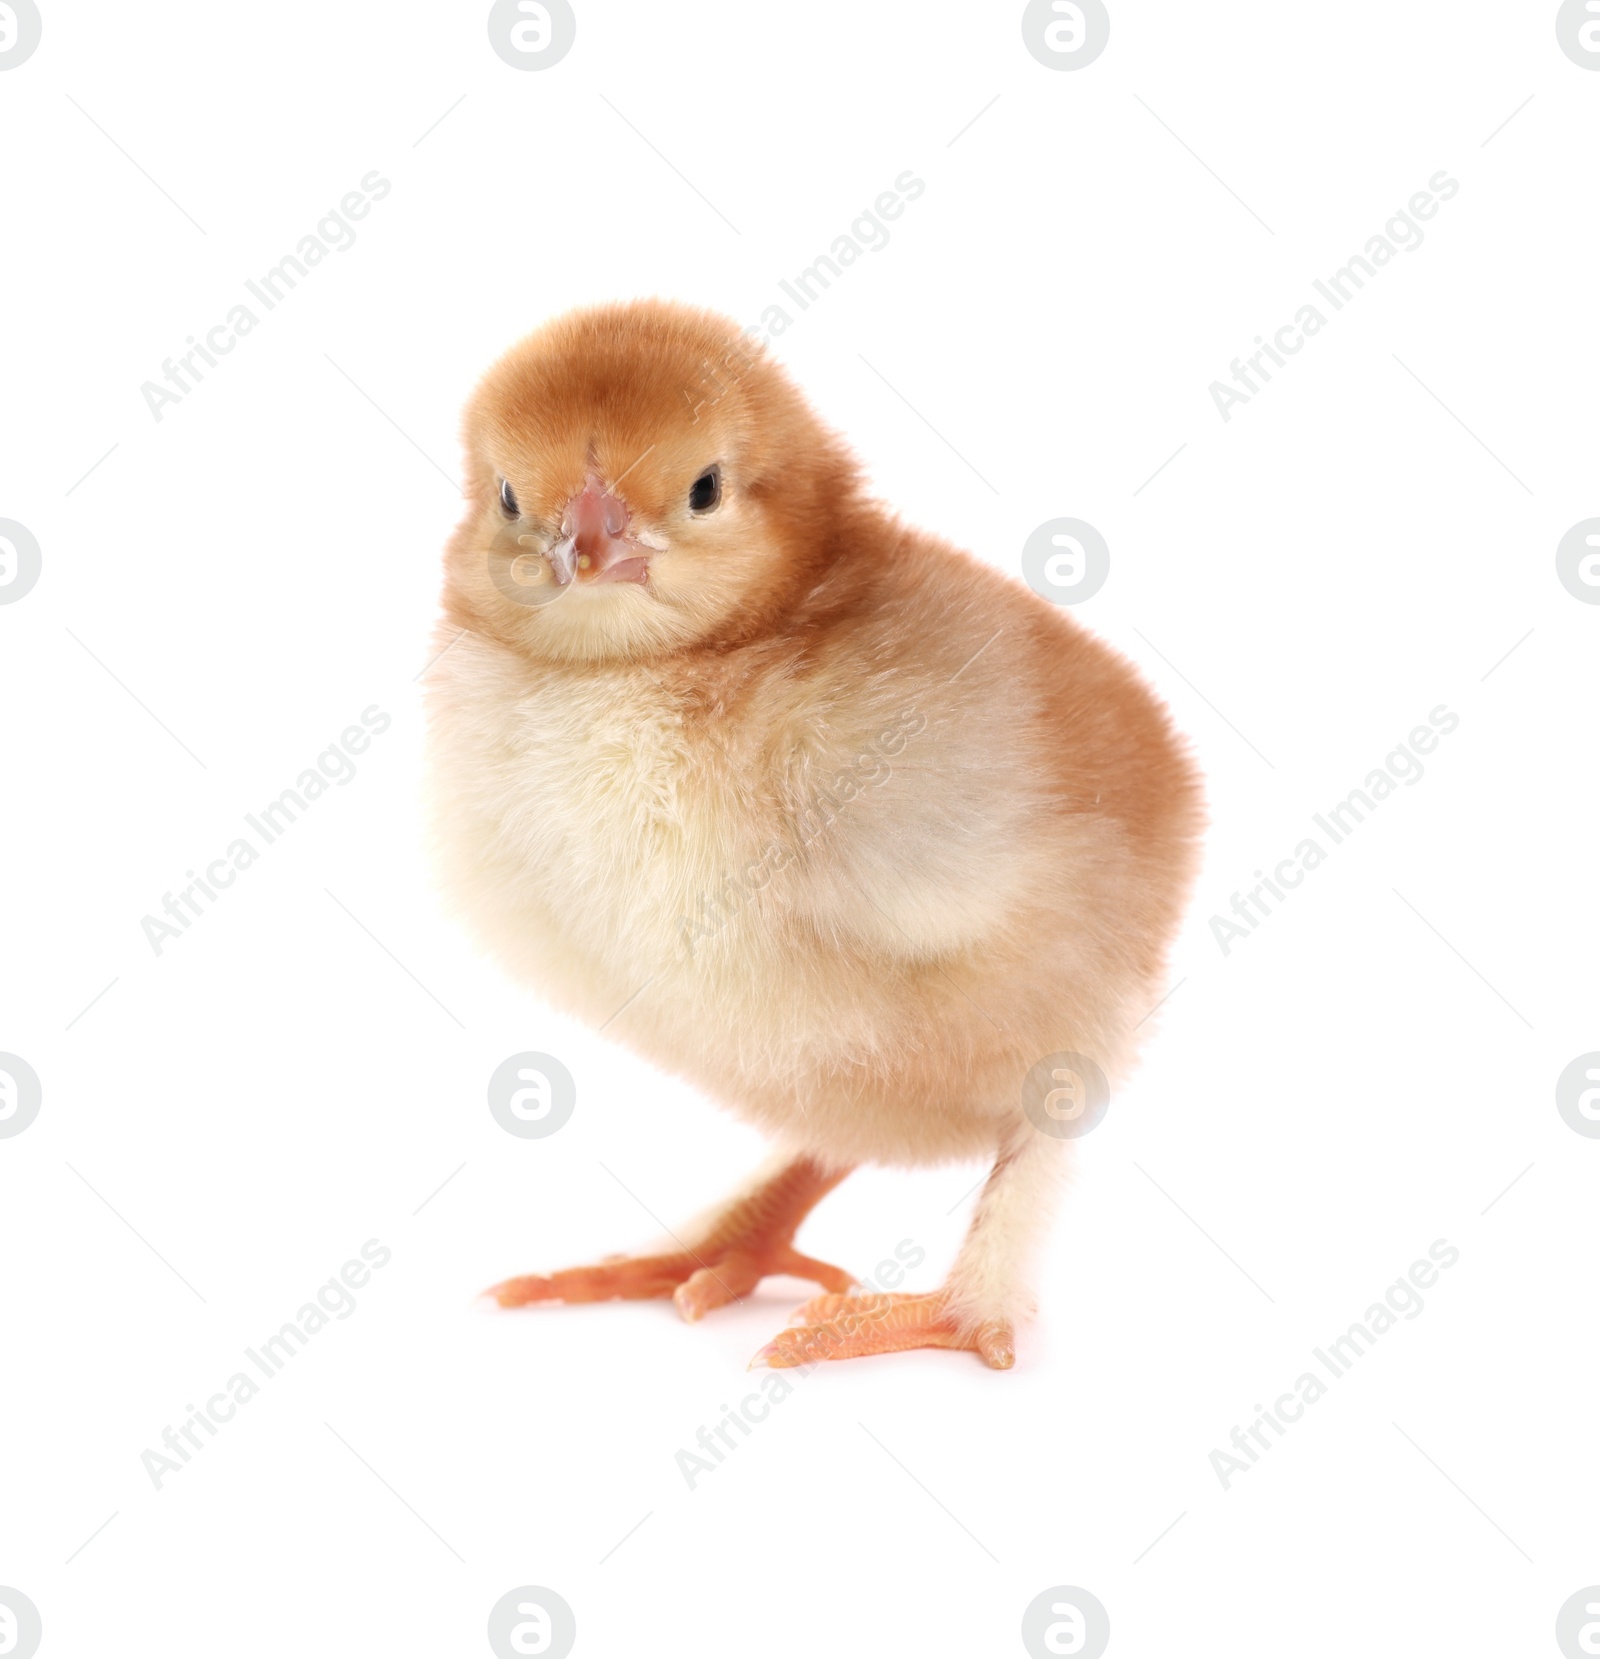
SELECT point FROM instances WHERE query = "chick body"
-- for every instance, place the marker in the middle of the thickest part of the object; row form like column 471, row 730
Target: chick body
column 827, row 816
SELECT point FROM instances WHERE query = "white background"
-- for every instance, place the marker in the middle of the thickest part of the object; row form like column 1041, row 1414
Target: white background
column 1365, row 1074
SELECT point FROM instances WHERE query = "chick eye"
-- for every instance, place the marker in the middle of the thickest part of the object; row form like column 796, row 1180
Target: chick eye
column 508, row 499
column 706, row 491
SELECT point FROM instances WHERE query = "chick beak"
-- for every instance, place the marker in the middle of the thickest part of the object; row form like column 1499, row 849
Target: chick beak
column 596, row 541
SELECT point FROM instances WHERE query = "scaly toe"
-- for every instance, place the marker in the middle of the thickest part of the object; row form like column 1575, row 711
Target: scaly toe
column 997, row 1344
column 516, row 1293
column 722, row 1280
column 852, row 1327
column 820, row 1309
column 624, row 1278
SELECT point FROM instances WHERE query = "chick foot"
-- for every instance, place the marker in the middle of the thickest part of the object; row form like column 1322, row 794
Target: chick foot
column 749, row 1240
column 851, row 1327
column 697, row 1282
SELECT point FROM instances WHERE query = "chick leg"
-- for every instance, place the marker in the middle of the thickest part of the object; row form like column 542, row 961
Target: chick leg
column 727, row 1253
column 984, row 1297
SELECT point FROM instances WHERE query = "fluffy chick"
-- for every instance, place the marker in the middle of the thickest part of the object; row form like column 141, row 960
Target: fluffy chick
column 806, row 806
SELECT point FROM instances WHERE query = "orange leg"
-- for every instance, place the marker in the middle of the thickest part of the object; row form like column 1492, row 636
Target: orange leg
column 851, row 1327
column 986, row 1290
column 722, row 1262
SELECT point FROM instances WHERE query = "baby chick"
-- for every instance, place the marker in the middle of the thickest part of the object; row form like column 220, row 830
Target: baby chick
column 873, row 845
